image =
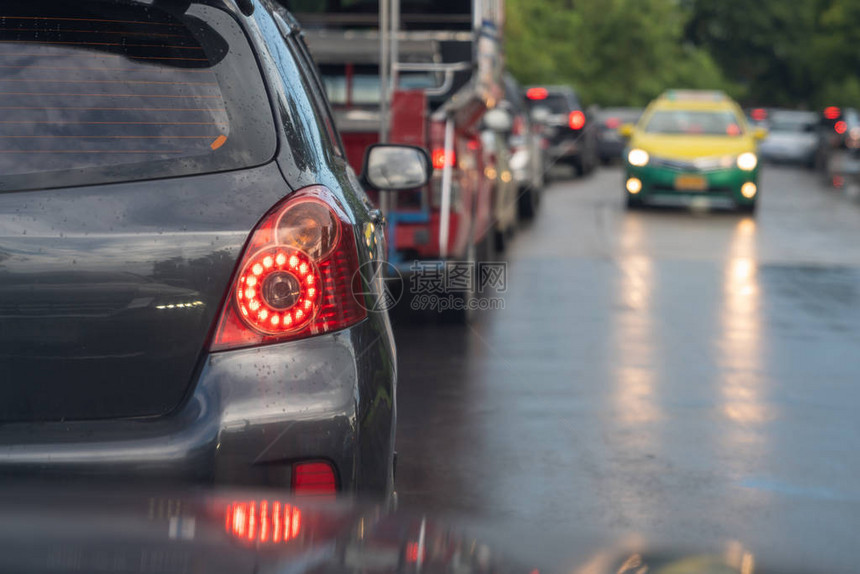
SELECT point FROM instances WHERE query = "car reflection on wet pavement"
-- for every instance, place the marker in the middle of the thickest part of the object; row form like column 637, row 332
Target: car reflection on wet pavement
column 664, row 363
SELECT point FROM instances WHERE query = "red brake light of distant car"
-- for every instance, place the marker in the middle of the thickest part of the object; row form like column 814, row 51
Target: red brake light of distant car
column 840, row 127
column 613, row 123
column 297, row 276
column 832, row 112
column 438, row 157
column 576, row 120
column 263, row 521
column 537, row 93
column 415, row 553
column 733, row 130
column 314, row 479
column 759, row 114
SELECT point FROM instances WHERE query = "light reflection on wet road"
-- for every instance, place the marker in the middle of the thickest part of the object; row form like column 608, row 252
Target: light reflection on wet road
column 687, row 376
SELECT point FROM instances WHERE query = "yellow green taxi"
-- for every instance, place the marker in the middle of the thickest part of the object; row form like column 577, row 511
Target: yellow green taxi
column 692, row 144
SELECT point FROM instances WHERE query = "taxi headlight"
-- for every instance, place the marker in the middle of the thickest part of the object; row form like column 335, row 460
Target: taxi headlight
column 747, row 161
column 638, row 157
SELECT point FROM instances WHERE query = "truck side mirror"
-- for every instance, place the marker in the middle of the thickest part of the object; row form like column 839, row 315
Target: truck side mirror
column 390, row 167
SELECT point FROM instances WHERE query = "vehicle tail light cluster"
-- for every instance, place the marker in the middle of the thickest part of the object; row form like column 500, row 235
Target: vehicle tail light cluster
column 759, row 114
column 832, row 112
column 576, row 120
column 840, row 127
column 438, row 156
column 537, row 93
column 263, row 521
column 613, row 123
column 314, row 479
column 296, row 276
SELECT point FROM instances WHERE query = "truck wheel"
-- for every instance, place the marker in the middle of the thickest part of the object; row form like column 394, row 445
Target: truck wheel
column 527, row 204
column 464, row 313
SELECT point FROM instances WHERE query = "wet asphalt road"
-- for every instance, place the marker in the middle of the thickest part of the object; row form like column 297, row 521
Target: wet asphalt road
column 662, row 375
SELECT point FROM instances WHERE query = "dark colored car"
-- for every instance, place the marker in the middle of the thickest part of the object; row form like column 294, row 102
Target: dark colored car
column 180, row 246
column 569, row 127
column 610, row 143
column 838, row 141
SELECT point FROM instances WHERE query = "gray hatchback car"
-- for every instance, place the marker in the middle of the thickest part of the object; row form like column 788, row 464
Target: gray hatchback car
column 186, row 258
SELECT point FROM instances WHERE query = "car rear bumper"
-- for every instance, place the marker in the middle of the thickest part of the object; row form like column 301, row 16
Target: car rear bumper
column 252, row 415
column 660, row 181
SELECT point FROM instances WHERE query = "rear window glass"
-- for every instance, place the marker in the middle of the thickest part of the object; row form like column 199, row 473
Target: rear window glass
column 555, row 103
column 694, row 122
column 95, row 91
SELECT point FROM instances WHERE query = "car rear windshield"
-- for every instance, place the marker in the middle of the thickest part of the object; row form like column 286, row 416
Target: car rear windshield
column 555, row 103
column 795, row 123
column 93, row 91
column 694, row 122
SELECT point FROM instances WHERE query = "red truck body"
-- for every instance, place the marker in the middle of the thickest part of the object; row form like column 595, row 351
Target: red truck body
column 349, row 61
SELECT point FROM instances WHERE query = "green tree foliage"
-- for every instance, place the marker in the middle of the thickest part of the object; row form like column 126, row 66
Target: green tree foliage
column 792, row 53
column 795, row 53
column 615, row 52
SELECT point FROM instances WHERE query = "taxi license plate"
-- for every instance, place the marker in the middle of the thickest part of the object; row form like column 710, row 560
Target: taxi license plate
column 691, row 183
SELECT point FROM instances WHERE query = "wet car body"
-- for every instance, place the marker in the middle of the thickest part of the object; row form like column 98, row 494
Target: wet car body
column 115, row 281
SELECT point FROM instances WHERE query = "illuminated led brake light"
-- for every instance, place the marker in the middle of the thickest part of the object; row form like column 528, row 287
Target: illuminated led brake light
column 576, row 120
column 296, row 276
column 438, row 157
column 263, row 521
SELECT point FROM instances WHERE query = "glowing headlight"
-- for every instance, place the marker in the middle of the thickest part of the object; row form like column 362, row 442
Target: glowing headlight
column 638, row 157
column 747, row 161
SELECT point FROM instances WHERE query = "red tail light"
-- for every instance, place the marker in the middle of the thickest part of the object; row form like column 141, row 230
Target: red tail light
column 759, row 114
column 537, row 93
column 415, row 553
column 438, row 157
column 576, row 120
column 314, row 479
column 263, row 521
column 841, row 127
column 832, row 112
column 296, row 276
column 613, row 123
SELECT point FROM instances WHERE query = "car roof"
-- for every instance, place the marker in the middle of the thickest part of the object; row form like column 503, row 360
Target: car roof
column 694, row 105
column 556, row 89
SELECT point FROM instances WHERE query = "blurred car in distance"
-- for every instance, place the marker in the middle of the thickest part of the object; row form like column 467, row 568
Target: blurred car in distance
column 839, row 144
column 610, row 143
column 569, row 127
column 791, row 137
column 528, row 159
column 498, row 172
column 181, row 298
column 692, row 144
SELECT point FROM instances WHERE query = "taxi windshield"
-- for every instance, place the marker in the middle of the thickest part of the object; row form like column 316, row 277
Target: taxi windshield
column 694, row 122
